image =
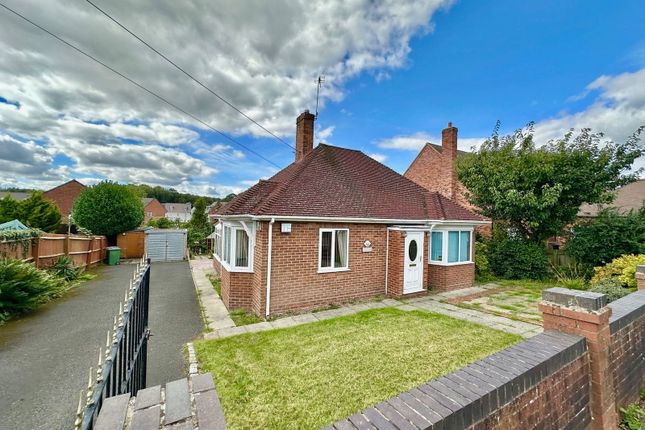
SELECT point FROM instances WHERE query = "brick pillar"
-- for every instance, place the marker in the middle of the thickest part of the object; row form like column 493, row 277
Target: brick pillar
column 586, row 314
column 640, row 277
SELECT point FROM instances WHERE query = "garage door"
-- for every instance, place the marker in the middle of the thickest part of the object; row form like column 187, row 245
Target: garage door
column 166, row 245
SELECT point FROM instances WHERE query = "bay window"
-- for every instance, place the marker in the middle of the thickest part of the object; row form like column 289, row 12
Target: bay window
column 333, row 250
column 450, row 246
column 233, row 248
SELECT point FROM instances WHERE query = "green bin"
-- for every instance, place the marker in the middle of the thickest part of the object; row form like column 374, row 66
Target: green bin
column 113, row 255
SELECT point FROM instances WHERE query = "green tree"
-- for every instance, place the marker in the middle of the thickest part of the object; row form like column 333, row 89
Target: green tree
column 8, row 209
column 597, row 241
column 108, row 209
column 198, row 227
column 538, row 190
column 199, row 217
column 38, row 212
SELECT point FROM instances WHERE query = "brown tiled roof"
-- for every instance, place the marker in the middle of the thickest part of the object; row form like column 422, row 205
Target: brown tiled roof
column 338, row 182
column 631, row 196
column 439, row 148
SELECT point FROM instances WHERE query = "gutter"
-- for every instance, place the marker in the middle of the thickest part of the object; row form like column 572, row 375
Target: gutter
column 296, row 218
column 270, row 248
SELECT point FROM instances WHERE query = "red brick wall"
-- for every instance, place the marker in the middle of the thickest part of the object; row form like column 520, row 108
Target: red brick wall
column 236, row 287
column 258, row 297
column 627, row 361
column 553, row 403
column 448, row 278
column 64, row 195
column 395, row 265
column 295, row 281
column 155, row 208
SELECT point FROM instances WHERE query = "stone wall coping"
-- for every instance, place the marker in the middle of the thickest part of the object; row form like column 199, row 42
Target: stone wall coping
column 574, row 298
column 640, row 269
column 626, row 310
column 465, row 397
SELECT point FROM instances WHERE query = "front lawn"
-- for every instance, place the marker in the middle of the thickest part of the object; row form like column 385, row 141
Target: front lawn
column 513, row 299
column 310, row 375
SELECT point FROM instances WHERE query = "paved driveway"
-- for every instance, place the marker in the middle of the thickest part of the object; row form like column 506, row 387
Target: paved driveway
column 45, row 357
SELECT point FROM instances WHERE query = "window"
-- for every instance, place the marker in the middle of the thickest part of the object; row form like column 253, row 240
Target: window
column 234, row 246
column 241, row 248
column 436, row 251
column 227, row 244
column 450, row 247
column 218, row 241
column 333, row 251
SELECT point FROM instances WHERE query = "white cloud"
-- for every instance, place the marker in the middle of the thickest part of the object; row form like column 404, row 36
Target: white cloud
column 262, row 56
column 379, row 157
column 325, row 133
column 413, row 142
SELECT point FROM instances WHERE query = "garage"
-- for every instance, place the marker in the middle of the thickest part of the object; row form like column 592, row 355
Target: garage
column 166, row 245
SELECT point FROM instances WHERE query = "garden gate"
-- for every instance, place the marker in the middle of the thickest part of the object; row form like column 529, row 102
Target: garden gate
column 122, row 366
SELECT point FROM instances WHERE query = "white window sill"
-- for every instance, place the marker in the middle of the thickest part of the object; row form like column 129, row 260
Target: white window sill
column 333, row 270
column 458, row 263
column 233, row 269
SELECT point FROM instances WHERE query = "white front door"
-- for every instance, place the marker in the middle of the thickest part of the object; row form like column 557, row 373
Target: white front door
column 413, row 262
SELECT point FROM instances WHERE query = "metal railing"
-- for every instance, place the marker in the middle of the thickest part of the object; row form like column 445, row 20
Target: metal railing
column 122, row 362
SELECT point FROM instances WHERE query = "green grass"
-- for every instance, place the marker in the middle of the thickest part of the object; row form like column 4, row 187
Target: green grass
column 217, row 283
column 242, row 317
column 310, row 375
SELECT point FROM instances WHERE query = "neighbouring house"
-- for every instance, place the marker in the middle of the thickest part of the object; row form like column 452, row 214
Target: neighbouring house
column 434, row 169
column 64, row 196
column 18, row 196
column 629, row 197
column 335, row 226
column 152, row 209
column 178, row 211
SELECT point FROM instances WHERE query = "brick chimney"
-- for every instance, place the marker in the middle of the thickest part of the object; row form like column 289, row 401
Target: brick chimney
column 304, row 134
column 449, row 149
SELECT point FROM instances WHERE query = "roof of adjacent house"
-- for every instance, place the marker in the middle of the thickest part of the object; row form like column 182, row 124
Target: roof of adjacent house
column 631, row 196
column 146, row 200
column 13, row 225
column 338, row 182
column 439, row 148
column 178, row 207
column 14, row 195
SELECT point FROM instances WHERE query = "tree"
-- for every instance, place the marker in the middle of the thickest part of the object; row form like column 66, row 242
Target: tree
column 108, row 209
column 35, row 211
column 198, row 227
column 8, row 209
column 38, row 212
column 598, row 241
column 199, row 217
column 538, row 190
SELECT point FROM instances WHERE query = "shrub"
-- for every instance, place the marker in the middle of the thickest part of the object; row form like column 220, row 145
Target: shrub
column 515, row 258
column 108, row 209
column 162, row 223
column 23, row 287
column 482, row 265
column 622, row 268
column 633, row 417
column 611, row 287
column 64, row 268
column 612, row 234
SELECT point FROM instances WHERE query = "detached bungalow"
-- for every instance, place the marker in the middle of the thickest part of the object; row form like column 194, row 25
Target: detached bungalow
column 334, row 226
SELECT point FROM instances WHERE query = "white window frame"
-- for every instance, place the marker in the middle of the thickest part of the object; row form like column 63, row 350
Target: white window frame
column 333, row 251
column 444, row 248
column 218, row 241
column 250, row 232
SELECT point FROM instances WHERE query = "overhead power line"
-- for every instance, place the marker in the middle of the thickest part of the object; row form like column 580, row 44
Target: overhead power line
column 137, row 84
column 231, row 105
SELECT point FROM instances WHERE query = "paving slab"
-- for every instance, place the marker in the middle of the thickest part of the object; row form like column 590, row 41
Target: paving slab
column 215, row 313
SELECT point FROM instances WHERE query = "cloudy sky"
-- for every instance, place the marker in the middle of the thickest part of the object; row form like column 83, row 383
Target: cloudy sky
column 395, row 74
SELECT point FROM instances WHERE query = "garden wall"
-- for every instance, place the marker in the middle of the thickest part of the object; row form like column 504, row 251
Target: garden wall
column 588, row 364
column 45, row 250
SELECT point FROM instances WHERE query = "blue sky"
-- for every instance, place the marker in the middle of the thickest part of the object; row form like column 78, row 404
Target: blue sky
column 393, row 82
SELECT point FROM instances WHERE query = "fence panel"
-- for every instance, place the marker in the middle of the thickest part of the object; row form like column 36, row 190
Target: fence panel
column 122, row 366
column 45, row 250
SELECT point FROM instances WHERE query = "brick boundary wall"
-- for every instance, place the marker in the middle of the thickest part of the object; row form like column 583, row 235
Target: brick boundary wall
column 589, row 363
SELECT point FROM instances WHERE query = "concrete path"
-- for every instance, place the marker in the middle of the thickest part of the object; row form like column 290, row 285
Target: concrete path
column 45, row 357
column 214, row 311
column 430, row 303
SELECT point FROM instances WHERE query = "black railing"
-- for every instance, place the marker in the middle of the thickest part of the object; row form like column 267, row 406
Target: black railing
column 122, row 364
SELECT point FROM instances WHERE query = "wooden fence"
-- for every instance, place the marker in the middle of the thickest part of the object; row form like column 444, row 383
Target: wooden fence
column 45, row 250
